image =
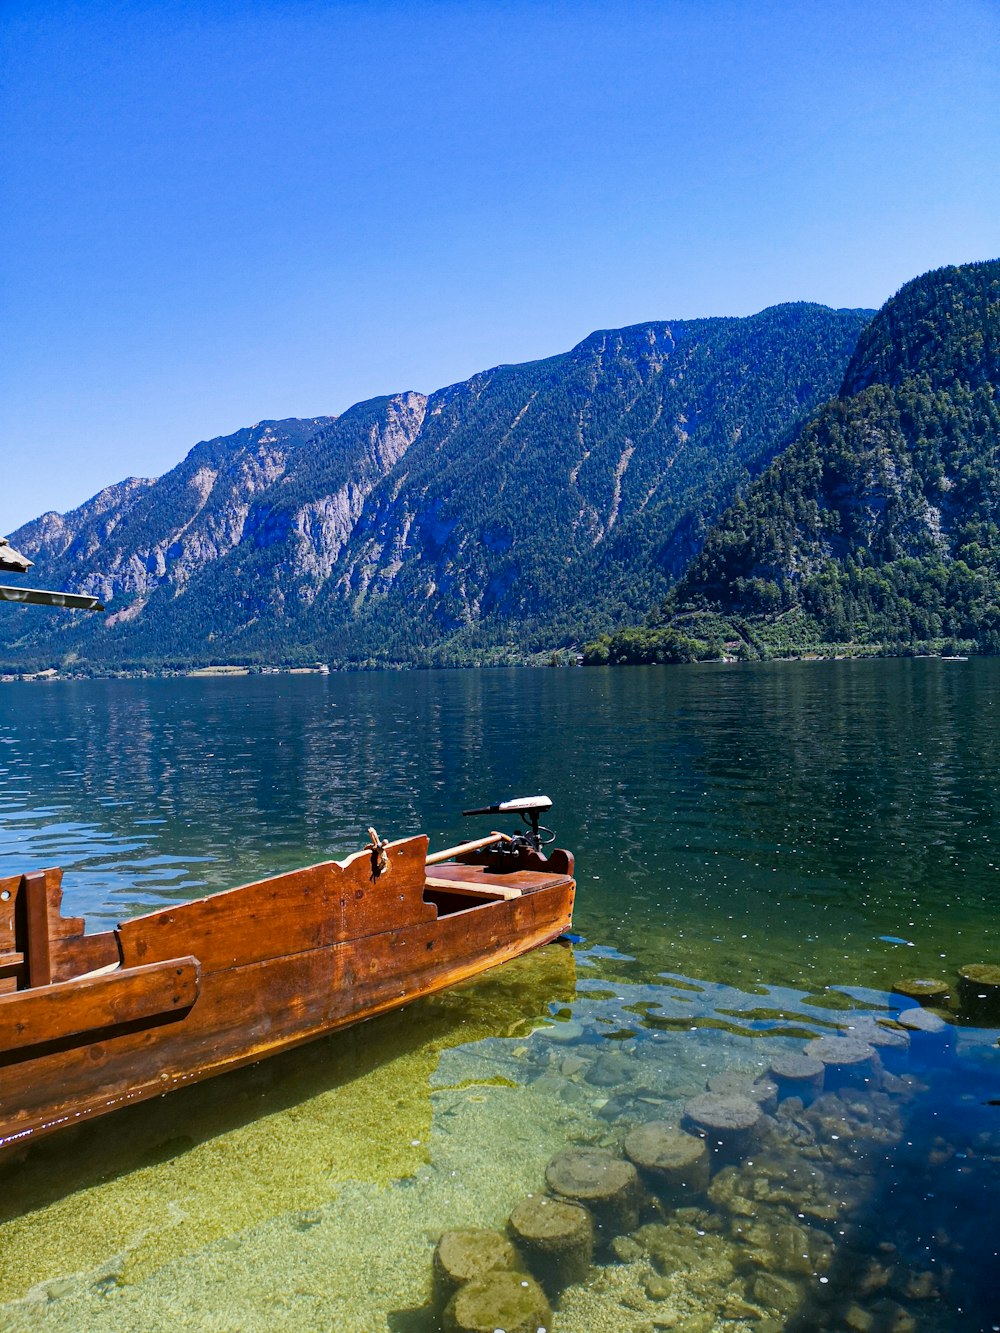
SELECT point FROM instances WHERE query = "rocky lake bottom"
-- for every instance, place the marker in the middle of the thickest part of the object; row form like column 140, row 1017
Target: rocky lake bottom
column 843, row 1173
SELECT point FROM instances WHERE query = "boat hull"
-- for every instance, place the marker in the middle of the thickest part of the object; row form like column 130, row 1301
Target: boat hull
column 222, row 982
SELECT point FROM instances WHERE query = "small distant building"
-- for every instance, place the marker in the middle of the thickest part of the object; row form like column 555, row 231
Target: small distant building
column 11, row 561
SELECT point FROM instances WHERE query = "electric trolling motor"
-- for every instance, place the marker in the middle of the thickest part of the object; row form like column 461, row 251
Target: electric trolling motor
column 529, row 808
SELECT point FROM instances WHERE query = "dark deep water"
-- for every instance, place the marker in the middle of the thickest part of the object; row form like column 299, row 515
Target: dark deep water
column 761, row 852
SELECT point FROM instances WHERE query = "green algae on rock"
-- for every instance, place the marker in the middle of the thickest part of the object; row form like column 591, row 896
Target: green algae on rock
column 461, row 1256
column 979, row 990
column 513, row 1302
column 607, row 1185
column 556, row 1238
column 928, row 990
column 674, row 1162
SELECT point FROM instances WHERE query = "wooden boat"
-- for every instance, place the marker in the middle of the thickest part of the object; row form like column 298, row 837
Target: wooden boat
column 90, row 1023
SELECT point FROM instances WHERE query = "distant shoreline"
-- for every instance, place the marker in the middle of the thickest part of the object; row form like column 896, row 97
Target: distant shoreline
column 867, row 653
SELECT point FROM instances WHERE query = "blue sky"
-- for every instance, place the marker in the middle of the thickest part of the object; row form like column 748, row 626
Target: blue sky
column 219, row 212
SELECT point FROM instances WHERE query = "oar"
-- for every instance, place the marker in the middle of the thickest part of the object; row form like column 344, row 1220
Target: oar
column 464, row 847
column 39, row 597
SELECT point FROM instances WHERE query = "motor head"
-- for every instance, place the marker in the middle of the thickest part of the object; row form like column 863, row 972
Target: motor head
column 517, row 804
column 530, row 808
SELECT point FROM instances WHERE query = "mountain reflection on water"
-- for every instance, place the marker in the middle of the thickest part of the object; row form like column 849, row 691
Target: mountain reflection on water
column 761, row 853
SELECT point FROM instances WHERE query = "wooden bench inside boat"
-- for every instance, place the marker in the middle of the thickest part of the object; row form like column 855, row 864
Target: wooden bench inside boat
column 457, row 887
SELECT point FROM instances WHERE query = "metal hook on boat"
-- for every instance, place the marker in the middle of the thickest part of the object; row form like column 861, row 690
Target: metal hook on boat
column 380, row 857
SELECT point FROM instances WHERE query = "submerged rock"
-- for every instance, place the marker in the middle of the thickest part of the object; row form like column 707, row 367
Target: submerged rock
column 565, row 1032
column 921, row 1286
column 923, row 1020
column 858, row 1319
column 784, row 1295
column 571, row 1065
column 510, row 1301
column 606, row 1184
column 890, row 1317
column 731, row 1192
column 797, row 1075
column 626, row 1250
column 610, row 1070
column 463, row 1255
column 928, row 990
column 762, row 1090
column 727, row 1122
column 676, row 1247
column 890, row 1042
column 556, row 1238
column 884, row 1036
column 845, row 1059
column 674, row 1162
column 779, row 1246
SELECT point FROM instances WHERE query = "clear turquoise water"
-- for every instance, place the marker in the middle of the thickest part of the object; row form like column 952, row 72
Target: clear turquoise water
column 761, row 852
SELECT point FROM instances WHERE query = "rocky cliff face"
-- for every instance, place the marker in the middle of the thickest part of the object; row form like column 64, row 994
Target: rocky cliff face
column 526, row 506
column 52, row 535
column 132, row 538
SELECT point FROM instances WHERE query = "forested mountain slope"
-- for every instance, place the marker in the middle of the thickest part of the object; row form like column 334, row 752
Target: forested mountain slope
column 880, row 524
column 524, row 508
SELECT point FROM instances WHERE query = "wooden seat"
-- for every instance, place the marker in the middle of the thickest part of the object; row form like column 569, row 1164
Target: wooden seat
column 501, row 882
column 465, row 888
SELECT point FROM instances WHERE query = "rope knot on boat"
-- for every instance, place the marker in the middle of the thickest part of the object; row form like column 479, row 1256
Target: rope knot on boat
column 380, row 857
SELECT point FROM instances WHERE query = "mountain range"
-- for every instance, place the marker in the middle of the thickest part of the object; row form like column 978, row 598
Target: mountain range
column 527, row 508
column 879, row 526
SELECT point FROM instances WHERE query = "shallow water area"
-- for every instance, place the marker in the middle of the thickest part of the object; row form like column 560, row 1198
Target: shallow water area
column 761, row 854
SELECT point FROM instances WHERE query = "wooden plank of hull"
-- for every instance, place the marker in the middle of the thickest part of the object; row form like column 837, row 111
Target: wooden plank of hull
column 294, row 913
column 47, row 1015
column 245, row 1013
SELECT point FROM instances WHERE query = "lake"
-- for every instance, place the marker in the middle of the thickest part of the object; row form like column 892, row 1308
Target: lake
column 762, row 853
